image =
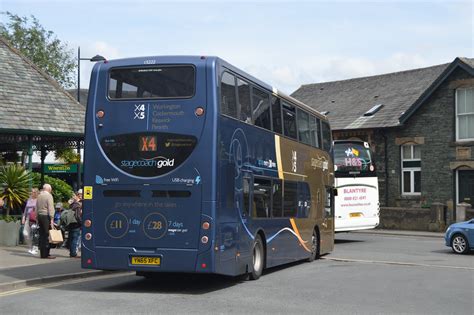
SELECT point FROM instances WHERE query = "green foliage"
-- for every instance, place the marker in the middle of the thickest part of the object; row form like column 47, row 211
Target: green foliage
column 14, row 180
column 42, row 47
column 68, row 156
column 62, row 191
column 8, row 218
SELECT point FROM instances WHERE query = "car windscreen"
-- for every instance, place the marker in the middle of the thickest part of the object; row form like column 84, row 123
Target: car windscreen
column 153, row 82
column 352, row 158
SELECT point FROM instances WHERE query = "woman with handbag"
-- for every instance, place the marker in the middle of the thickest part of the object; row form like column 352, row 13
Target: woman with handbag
column 29, row 221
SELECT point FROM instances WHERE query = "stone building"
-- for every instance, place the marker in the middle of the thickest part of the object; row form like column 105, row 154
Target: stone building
column 420, row 123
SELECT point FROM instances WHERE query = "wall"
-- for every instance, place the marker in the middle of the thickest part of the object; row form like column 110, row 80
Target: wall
column 433, row 127
column 414, row 219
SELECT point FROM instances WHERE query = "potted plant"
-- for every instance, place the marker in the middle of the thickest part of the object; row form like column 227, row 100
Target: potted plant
column 15, row 182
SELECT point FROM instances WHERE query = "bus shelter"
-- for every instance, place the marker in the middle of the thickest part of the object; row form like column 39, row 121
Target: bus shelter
column 36, row 113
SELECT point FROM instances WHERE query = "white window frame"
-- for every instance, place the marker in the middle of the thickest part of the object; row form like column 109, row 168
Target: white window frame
column 457, row 115
column 412, row 170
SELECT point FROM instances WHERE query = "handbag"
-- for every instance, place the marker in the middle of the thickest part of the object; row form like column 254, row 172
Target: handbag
column 32, row 215
column 55, row 236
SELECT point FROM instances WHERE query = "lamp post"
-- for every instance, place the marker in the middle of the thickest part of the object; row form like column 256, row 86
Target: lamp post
column 93, row 59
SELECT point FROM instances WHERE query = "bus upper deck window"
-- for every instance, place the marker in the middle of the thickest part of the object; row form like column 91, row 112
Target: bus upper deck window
column 289, row 121
column 243, row 93
column 228, row 97
column 152, row 82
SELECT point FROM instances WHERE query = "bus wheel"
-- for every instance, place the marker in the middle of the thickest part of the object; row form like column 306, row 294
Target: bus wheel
column 315, row 247
column 258, row 258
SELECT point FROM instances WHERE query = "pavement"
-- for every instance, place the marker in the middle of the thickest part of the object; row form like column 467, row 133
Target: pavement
column 19, row 269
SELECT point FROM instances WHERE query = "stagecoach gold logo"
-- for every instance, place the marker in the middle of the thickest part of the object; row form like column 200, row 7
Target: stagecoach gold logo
column 320, row 162
column 294, row 160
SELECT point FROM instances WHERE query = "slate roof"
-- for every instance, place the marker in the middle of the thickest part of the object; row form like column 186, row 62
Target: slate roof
column 400, row 93
column 84, row 95
column 32, row 102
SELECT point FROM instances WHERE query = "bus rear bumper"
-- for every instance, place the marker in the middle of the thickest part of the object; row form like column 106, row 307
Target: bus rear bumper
column 161, row 260
column 354, row 224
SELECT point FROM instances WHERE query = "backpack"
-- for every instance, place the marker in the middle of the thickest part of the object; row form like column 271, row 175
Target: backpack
column 76, row 207
column 67, row 218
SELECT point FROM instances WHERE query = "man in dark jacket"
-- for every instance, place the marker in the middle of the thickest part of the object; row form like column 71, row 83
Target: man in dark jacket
column 75, row 227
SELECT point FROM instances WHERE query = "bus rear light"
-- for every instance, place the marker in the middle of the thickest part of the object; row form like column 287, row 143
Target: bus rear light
column 205, row 226
column 204, row 239
column 203, row 265
column 100, row 114
column 89, row 261
column 199, row 111
column 87, row 223
column 88, row 236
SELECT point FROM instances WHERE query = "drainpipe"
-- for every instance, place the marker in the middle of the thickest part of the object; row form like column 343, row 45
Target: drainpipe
column 386, row 167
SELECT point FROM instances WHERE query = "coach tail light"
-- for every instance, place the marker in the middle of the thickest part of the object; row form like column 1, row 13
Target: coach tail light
column 204, row 239
column 88, row 236
column 87, row 223
column 100, row 114
column 206, row 225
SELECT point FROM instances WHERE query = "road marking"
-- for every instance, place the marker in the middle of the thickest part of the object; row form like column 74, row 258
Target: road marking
column 55, row 284
column 398, row 263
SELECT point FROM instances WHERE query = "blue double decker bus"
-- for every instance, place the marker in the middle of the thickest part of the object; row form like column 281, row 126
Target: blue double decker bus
column 192, row 165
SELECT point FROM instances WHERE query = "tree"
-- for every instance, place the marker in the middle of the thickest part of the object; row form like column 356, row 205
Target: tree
column 68, row 156
column 42, row 47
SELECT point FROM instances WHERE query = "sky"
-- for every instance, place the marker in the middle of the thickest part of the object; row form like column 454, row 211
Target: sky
column 283, row 43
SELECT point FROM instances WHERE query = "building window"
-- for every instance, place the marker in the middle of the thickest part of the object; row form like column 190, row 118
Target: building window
column 465, row 114
column 411, row 169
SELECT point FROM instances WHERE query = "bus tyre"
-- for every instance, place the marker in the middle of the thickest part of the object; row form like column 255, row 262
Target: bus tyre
column 459, row 244
column 258, row 258
column 315, row 247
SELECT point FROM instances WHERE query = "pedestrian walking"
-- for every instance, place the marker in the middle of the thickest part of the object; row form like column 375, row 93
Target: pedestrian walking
column 29, row 221
column 45, row 210
column 74, row 227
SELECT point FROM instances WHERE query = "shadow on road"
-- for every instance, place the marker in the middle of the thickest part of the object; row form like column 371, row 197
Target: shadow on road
column 165, row 284
column 450, row 252
column 171, row 283
column 344, row 241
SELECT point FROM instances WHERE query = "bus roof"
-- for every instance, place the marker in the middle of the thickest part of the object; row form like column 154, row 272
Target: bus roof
column 138, row 61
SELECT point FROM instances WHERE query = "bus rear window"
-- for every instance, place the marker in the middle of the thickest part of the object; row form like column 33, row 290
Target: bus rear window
column 352, row 158
column 152, row 82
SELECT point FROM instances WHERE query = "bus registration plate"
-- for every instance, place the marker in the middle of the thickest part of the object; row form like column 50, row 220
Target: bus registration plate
column 140, row 260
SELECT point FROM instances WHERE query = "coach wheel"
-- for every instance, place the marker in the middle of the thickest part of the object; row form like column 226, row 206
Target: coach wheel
column 459, row 244
column 258, row 258
column 315, row 249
